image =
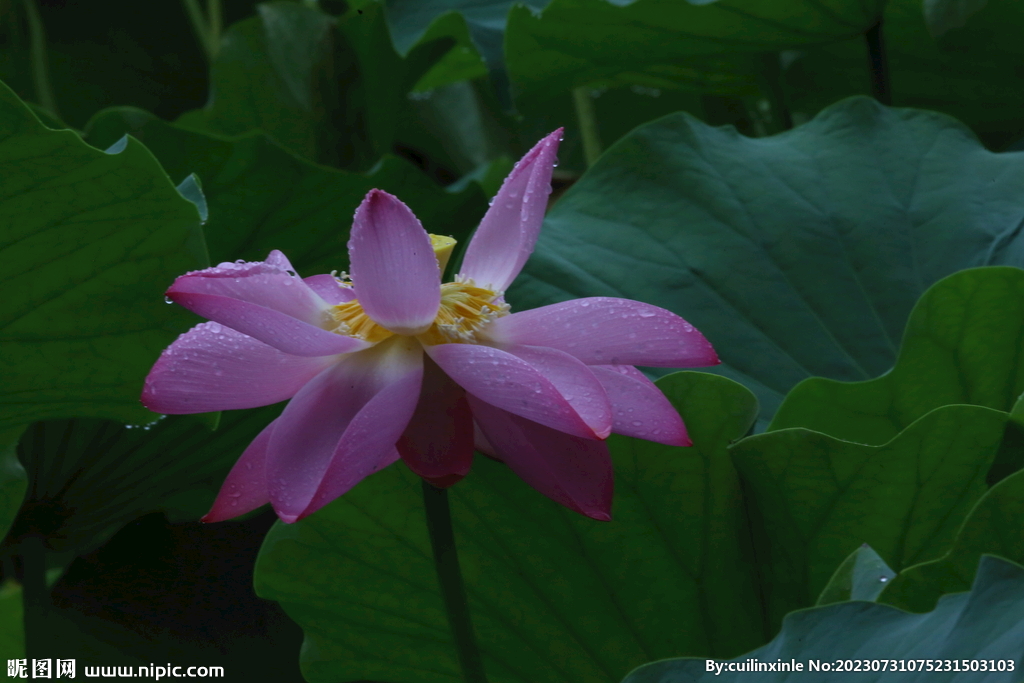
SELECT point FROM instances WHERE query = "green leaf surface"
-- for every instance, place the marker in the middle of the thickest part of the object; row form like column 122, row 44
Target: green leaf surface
column 962, row 345
column 970, row 72
column 993, row 527
column 986, row 624
column 555, row 596
column 261, row 197
column 819, row 498
column 267, row 76
column 90, row 477
column 12, row 630
column 796, row 255
column 861, row 576
column 88, row 242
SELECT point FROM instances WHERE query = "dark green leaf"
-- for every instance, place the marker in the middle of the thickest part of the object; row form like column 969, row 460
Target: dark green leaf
column 962, row 345
column 987, row 624
column 817, row 499
column 994, row 527
column 88, row 242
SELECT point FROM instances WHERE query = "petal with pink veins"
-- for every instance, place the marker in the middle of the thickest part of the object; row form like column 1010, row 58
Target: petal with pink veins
column 329, row 289
column 245, row 487
column 342, row 425
column 639, row 408
column 571, row 471
column 574, row 381
column 608, row 331
column 509, row 383
column 264, row 302
column 393, row 265
column 212, row 367
column 438, row 443
column 509, row 229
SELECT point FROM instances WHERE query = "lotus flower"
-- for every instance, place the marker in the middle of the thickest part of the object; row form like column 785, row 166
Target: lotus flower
column 390, row 363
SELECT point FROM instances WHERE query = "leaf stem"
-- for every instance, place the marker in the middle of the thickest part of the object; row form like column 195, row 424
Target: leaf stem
column 37, row 47
column 878, row 63
column 202, row 31
column 772, row 80
column 453, row 593
column 587, row 119
column 35, row 594
column 213, row 10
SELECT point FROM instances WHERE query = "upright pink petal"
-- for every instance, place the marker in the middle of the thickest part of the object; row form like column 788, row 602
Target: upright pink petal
column 245, row 488
column 574, row 381
column 438, row 443
column 265, row 302
column 510, row 383
column 393, row 265
column 212, row 367
column 639, row 408
column 608, row 331
column 574, row 472
column 342, row 415
column 509, row 229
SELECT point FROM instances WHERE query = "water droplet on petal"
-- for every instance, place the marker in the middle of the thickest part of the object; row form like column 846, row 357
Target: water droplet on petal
column 646, row 313
column 167, row 300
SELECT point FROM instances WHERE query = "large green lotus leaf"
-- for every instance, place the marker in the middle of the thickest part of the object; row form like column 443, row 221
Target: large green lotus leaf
column 708, row 46
column 88, row 242
column 796, row 255
column 818, row 498
column 328, row 89
column 970, row 72
column 555, row 596
column 261, row 197
column 961, row 345
column 995, row 526
column 90, row 477
column 985, row 624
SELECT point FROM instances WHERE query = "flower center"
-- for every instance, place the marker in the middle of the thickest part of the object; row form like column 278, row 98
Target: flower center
column 464, row 309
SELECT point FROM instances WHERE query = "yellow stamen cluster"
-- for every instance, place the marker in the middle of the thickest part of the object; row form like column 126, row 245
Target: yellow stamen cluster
column 464, row 310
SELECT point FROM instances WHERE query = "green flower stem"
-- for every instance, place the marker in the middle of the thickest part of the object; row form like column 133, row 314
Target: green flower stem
column 878, row 63
column 37, row 47
column 453, row 593
column 202, row 31
column 215, row 28
column 772, row 80
column 587, row 120
column 34, row 593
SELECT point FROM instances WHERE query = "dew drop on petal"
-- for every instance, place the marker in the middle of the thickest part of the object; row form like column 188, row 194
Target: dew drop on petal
column 646, row 313
column 167, row 300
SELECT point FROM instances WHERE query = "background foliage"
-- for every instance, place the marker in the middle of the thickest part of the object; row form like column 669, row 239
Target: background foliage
column 828, row 190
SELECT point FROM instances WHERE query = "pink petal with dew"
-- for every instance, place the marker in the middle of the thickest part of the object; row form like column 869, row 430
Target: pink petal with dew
column 509, row 229
column 337, row 426
column 212, row 367
column 639, row 408
column 393, row 265
column 571, row 471
column 574, row 381
column 264, row 302
column 608, row 331
column 510, row 383
column 438, row 443
column 245, row 488
column 329, row 289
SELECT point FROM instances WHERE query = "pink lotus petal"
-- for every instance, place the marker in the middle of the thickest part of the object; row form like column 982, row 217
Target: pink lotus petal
column 481, row 443
column 574, row 381
column 245, row 488
column 324, row 422
column 574, row 472
column 212, row 367
column 264, row 302
column 393, row 265
column 438, row 443
column 640, row 409
column 608, row 331
column 510, row 383
column 277, row 259
column 329, row 289
column 509, row 229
